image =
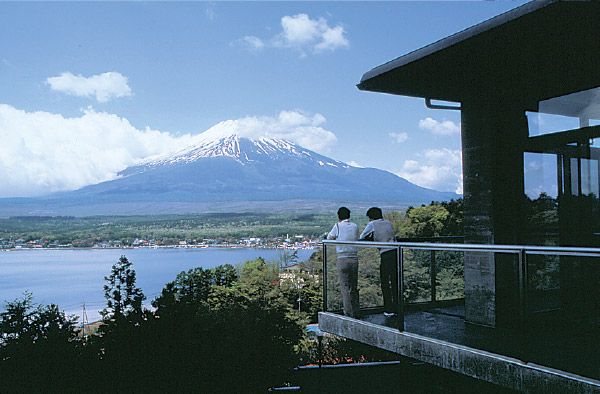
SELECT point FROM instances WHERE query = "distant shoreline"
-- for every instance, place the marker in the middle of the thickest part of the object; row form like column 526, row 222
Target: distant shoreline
column 165, row 247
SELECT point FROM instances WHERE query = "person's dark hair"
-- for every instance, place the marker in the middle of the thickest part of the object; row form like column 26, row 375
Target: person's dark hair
column 343, row 213
column 375, row 213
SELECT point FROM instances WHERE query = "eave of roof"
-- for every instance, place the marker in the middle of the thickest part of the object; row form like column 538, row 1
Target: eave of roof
column 537, row 51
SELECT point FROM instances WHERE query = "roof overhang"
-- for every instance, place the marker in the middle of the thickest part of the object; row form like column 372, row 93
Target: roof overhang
column 540, row 50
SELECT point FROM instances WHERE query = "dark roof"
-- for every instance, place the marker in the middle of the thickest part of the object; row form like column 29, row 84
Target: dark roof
column 540, row 50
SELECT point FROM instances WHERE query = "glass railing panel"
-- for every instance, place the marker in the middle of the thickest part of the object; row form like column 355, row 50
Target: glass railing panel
column 333, row 300
column 417, row 276
column 543, row 283
column 368, row 281
column 449, row 274
column 578, row 292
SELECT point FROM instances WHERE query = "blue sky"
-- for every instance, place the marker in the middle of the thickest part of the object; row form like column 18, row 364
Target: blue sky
column 87, row 89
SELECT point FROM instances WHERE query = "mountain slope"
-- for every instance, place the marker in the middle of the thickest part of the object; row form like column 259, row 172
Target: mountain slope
column 233, row 167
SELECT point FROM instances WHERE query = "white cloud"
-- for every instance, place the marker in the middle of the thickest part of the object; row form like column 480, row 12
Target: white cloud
column 445, row 127
column 295, row 126
column 210, row 11
column 104, row 86
column 303, row 34
column 332, row 39
column 399, row 137
column 439, row 169
column 253, row 43
column 43, row 152
column 300, row 29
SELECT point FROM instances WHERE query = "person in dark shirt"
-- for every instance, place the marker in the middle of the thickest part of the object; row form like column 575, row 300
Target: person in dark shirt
column 380, row 230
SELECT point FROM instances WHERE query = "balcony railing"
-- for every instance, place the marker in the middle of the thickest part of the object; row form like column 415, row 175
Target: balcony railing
column 431, row 275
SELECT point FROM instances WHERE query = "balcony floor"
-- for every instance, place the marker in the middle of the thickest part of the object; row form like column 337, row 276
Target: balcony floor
column 574, row 351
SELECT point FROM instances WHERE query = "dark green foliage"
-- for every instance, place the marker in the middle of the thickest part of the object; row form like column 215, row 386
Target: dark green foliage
column 434, row 220
column 542, row 229
column 368, row 277
column 304, row 292
column 450, row 275
column 542, row 221
column 417, row 282
column 38, row 348
column 453, row 226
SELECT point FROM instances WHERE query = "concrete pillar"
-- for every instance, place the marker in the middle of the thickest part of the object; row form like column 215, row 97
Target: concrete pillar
column 493, row 137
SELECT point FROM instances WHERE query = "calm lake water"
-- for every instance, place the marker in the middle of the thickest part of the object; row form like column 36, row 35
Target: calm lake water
column 70, row 278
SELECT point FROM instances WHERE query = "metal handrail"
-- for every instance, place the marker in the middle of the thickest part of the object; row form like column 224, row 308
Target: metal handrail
column 529, row 249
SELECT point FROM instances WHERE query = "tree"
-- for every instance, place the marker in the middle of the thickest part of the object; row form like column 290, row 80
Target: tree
column 38, row 347
column 453, row 225
column 424, row 221
column 287, row 258
column 122, row 296
column 26, row 321
column 225, row 275
column 433, row 220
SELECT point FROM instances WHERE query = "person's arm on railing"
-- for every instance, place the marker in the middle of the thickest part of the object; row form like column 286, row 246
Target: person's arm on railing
column 334, row 233
column 367, row 234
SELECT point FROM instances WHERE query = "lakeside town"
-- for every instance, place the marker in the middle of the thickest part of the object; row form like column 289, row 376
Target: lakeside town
column 294, row 242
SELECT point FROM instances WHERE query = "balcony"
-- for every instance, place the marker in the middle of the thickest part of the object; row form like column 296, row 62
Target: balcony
column 551, row 347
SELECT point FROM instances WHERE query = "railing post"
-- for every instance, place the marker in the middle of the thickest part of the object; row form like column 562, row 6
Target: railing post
column 400, row 297
column 324, row 276
column 433, row 270
column 523, row 348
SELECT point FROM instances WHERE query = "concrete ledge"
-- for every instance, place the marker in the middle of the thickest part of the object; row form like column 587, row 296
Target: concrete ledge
column 497, row 369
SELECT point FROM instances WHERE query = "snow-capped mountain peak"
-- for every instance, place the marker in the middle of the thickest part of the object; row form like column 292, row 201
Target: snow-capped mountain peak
column 215, row 142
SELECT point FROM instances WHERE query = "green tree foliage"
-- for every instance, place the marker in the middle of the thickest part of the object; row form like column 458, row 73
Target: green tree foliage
column 434, row 220
column 453, row 226
column 123, row 297
column 38, row 345
column 302, row 290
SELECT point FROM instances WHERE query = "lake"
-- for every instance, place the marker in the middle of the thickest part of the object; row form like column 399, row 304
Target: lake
column 70, row 278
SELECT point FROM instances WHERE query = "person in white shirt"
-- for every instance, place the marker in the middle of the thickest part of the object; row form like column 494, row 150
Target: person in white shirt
column 380, row 230
column 347, row 261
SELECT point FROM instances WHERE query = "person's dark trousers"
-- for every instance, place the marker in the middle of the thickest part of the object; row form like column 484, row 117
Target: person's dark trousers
column 389, row 281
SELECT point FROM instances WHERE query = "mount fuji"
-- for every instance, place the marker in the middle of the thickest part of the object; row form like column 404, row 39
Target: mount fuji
column 230, row 172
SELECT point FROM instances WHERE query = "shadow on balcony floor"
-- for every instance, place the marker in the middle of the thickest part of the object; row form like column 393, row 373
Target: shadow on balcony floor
column 571, row 349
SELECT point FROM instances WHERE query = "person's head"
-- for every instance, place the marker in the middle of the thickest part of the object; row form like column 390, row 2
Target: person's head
column 343, row 213
column 374, row 213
